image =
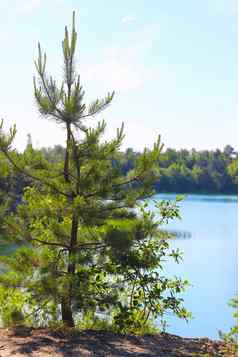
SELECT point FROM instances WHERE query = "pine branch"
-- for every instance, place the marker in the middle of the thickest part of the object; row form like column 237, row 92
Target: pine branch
column 60, row 115
column 32, row 176
column 54, row 244
column 89, row 245
column 98, row 106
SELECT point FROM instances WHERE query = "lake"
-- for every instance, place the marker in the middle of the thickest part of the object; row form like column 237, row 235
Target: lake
column 209, row 262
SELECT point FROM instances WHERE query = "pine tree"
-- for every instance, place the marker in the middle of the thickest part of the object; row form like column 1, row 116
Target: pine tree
column 85, row 240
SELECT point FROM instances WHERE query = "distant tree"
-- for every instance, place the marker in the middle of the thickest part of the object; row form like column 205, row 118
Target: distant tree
column 229, row 152
column 29, row 141
column 233, row 170
column 85, row 241
column 55, row 154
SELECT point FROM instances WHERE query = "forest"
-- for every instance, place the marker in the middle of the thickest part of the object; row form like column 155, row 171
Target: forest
column 180, row 171
column 192, row 171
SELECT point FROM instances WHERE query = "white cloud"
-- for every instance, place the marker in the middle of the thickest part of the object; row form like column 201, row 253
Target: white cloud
column 123, row 69
column 27, row 6
column 118, row 74
column 127, row 19
column 226, row 7
column 4, row 37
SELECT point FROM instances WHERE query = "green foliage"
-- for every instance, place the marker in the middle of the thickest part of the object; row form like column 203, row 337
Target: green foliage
column 191, row 171
column 232, row 335
column 84, row 242
column 213, row 172
column 12, row 302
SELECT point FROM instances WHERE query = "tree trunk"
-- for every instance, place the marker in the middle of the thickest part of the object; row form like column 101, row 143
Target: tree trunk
column 66, row 312
column 66, row 303
column 66, row 159
column 73, row 243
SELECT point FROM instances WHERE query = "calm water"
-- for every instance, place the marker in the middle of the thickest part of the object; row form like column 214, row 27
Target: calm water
column 210, row 262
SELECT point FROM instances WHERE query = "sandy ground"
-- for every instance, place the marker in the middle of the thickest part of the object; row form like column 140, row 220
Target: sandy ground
column 100, row 343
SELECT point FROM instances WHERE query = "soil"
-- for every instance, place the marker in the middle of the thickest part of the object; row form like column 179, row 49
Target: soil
column 43, row 342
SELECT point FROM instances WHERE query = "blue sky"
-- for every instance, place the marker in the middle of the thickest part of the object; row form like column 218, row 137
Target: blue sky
column 173, row 65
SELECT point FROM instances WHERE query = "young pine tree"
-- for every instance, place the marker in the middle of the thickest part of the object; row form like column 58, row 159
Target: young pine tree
column 85, row 242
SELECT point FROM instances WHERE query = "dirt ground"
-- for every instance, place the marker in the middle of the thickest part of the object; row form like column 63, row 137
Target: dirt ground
column 100, row 343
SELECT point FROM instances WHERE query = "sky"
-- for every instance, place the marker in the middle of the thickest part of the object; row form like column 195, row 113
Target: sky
column 173, row 65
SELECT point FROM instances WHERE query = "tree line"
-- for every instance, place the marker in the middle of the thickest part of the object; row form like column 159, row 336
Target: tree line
column 181, row 171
